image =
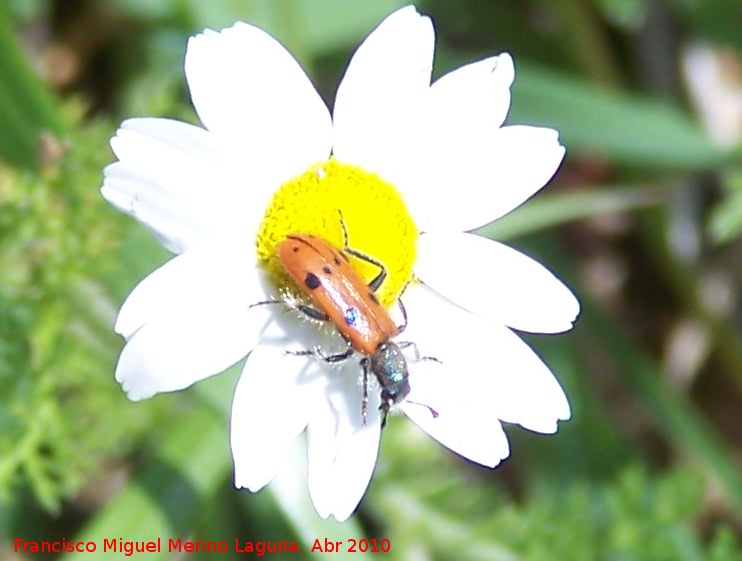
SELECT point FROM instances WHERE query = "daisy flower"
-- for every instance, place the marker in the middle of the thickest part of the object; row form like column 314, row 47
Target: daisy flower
column 412, row 167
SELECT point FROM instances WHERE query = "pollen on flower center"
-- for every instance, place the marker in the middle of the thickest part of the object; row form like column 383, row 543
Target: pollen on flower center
column 375, row 217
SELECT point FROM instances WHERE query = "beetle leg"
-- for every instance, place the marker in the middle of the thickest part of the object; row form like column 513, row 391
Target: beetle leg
column 379, row 279
column 402, row 309
column 319, row 355
column 295, row 304
column 291, row 302
column 265, row 303
column 312, row 313
column 364, row 402
column 339, row 357
column 301, row 353
column 418, row 357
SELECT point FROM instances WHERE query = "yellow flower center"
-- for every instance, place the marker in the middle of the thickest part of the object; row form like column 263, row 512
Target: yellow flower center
column 374, row 214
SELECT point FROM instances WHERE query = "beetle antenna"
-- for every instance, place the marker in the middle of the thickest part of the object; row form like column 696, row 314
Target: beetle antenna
column 433, row 412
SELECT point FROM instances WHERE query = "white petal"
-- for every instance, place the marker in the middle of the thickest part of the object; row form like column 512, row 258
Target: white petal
column 181, row 183
column 483, row 365
column 472, row 99
column 379, row 101
column 270, row 409
column 342, row 451
column 470, row 432
column 174, row 351
column 465, row 108
column 526, row 159
column 185, row 323
column 447, row 399
column 495, row 281
column 216, row 275
column 477, row 178
column 247, row 87
column 138, row 137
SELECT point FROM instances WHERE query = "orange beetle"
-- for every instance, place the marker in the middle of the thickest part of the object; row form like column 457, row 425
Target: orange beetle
column 342, row 297
column 337, row 290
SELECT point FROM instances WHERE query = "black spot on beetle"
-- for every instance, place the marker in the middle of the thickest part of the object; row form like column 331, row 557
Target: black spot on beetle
column 337, row 260
column 295, row 249
column 312, row 282
column 327, row 270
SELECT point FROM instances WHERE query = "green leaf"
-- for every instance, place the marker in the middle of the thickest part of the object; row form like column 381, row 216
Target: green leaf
column 164, row 498
column 599, row 122
column 307, row 27
column 27, row 109
column 332, row 24
column 548, row 211
column 674, row 415
column 714, row 21
column 304, row 26
column 726, row 220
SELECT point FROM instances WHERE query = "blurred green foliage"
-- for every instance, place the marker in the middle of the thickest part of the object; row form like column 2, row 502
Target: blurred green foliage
column 27, row 106
column 648, row 469
column 55, row 324
column 633, row 516
column 725, row 223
